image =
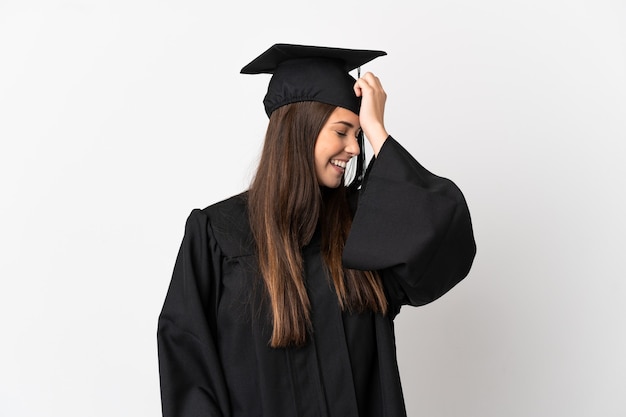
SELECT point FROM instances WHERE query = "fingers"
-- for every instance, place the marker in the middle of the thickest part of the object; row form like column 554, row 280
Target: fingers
column 368, row 83
column 372, row 112
column 357, row 88
column 370, row 89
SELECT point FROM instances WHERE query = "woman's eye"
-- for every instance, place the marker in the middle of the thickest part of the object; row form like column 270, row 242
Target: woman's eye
column 341, row 133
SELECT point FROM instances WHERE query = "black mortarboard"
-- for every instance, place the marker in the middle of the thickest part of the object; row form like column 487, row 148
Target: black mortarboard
column 310, row 73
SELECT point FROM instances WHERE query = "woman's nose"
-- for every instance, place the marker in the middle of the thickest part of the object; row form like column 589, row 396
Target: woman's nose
column 352, row 147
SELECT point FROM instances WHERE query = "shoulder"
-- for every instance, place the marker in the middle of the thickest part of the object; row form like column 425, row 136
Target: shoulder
column 233, row 207
column 229, row 225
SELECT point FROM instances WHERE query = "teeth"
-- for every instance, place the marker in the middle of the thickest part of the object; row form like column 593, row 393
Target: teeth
column 340, row 164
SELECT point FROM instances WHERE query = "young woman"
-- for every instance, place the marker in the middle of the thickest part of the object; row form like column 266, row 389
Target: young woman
column 282, row 298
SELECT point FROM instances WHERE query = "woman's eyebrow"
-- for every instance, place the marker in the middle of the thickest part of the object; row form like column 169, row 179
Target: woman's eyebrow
column 343, row 122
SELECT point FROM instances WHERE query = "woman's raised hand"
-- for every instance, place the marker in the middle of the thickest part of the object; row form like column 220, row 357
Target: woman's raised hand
column 372, row 114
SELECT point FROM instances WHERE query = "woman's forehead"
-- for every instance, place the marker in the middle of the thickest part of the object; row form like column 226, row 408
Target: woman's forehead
column 344, row 115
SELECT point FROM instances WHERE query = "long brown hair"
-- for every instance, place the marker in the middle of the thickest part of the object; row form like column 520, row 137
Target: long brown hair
column 285, row 203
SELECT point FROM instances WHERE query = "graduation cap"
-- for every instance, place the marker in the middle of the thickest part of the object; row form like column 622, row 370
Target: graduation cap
column 310, row 73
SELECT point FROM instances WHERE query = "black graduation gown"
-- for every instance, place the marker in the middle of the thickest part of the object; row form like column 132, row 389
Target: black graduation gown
column 213, row 332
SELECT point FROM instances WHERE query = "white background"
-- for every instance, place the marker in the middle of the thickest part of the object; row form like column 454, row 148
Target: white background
column 119, row 117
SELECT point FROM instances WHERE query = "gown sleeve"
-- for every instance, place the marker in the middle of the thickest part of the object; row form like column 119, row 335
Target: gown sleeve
column 412, row 226
column 192, row 381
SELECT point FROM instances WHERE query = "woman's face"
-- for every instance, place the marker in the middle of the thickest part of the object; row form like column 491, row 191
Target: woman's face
column 335, row 145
